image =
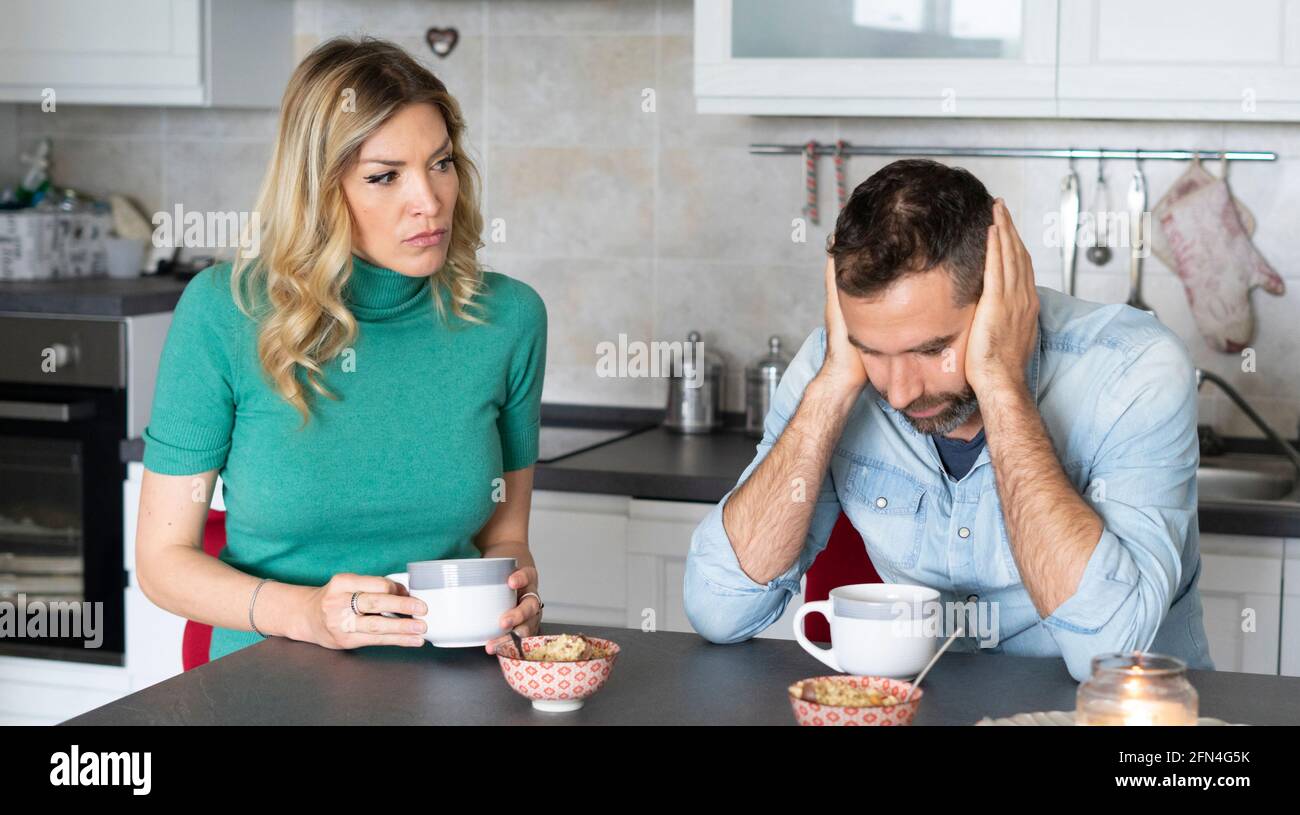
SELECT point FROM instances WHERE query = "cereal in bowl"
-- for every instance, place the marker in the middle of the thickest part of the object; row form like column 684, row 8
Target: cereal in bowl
column 842, row 694
column 566, row 648
column 559, row 672
column 853, row 701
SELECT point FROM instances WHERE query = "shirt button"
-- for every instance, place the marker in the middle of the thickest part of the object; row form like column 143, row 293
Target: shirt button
column 881, row 502
column 964, row 532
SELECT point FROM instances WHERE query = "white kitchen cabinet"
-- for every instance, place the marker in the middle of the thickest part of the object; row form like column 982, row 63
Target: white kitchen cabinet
column 47, row 691
column 1241, row 592
column 876, row 57
column 1290, row 657
column 199, row 53
column 1078, row 59
column 618, row 561
column 658, row 541
column 579, row 541
column 1180, row 59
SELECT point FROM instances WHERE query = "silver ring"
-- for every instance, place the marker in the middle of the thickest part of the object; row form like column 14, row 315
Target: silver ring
column 354, row 603
column 540, row 604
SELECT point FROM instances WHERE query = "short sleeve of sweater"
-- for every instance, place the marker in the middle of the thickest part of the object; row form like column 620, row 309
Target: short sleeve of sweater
column 519, row 421
column 193, row 412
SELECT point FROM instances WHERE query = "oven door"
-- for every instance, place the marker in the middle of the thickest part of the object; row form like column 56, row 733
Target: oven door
column 62, row 579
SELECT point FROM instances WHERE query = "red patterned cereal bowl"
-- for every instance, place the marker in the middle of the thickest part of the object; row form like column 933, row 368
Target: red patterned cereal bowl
column 815, row 714
column 557, row 686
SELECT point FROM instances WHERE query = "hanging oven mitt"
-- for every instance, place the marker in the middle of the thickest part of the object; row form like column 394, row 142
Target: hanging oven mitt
column 1193, row 179
column 1211, row 252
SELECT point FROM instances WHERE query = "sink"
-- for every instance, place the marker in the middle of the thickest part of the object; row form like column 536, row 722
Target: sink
column 1247, row 477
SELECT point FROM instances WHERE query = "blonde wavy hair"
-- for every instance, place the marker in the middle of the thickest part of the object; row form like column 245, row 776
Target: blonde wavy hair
column 340, row 94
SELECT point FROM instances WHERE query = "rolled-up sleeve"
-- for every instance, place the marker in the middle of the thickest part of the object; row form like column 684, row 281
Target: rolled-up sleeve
column 723, row 603
column 1143, row 486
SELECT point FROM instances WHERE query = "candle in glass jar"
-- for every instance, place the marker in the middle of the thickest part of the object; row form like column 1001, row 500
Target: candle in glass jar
column 1137, row 689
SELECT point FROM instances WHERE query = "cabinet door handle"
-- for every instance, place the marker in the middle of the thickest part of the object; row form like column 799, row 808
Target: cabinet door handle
column 47, row 411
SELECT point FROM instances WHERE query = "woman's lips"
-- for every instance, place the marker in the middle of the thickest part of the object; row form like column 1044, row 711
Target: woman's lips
column 426, row 238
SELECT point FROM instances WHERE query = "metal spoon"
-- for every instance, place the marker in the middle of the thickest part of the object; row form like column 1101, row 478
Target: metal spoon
column 1137, row 204
column 1069, row 229
column 916, row 682
column 519, row 643
column 1099, row 253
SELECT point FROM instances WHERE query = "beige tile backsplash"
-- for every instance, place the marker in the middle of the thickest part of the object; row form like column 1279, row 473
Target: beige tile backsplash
column 653, row 222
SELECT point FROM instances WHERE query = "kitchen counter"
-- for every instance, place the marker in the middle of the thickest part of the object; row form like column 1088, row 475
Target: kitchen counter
column 659, row 464
column 655, row 463
column 659, row 678
column 93, row 297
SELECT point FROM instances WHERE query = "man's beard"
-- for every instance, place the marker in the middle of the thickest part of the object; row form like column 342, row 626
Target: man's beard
column 960, row 407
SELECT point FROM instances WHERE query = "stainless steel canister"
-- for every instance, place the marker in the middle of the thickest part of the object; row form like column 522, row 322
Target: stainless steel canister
column 694, row 389
column 761, row 379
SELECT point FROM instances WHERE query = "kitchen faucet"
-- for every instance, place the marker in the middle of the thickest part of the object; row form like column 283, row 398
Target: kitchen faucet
column 1202, row 375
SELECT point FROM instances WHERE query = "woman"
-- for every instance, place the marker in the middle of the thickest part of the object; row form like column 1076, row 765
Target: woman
column 369, row 395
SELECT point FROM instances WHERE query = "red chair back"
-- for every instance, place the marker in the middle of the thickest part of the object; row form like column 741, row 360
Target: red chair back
column 198, row 636
column 843, row 561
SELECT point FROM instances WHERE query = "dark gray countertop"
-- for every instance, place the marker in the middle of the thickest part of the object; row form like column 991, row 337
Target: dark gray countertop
column 659, row 678
column 98, row 296
column 655, row 463
column 659, row 464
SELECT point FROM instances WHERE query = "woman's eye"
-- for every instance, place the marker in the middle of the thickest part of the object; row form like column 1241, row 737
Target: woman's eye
column 382, row 178
column 445, row 164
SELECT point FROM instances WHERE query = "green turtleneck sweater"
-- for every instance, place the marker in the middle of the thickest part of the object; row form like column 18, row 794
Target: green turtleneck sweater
column 400, row 468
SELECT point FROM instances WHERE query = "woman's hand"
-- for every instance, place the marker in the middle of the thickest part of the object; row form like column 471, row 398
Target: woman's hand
column 525, row 618
column 328, row 619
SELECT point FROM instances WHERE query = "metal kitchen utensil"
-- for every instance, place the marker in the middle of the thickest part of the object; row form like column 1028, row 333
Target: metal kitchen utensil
column 1099, row 253
column 519, row 643
column 761, row 380
column 917, row 682
column 1069, row 228
column 1137, row 204
column 694, row 389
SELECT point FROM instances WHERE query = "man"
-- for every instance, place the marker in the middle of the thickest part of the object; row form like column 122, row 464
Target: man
column 1004, row 444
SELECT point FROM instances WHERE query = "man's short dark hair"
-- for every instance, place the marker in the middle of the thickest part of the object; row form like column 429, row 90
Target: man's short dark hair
column 909, row 217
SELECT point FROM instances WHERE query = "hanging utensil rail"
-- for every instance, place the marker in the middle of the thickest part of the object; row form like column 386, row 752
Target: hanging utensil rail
column 1017, row 152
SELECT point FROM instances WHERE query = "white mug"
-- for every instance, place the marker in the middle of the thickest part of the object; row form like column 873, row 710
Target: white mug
column 877, row 629
column 465, row 600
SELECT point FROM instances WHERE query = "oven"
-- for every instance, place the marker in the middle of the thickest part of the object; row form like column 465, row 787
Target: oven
column 63, row 404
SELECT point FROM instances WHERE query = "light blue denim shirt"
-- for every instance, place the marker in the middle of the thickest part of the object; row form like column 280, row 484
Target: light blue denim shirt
column 1117, row 393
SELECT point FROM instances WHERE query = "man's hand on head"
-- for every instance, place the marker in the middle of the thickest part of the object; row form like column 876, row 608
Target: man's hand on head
column 842, row 369
column 1006, row 317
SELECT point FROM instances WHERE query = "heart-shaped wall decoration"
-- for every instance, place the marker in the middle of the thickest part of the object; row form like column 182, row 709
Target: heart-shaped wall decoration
column 442, row 40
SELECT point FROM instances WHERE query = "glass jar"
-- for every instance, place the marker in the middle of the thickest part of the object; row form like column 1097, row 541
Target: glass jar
column 1136, row 688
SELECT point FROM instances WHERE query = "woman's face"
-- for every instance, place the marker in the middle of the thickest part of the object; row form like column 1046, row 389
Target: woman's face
column 402, row 193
